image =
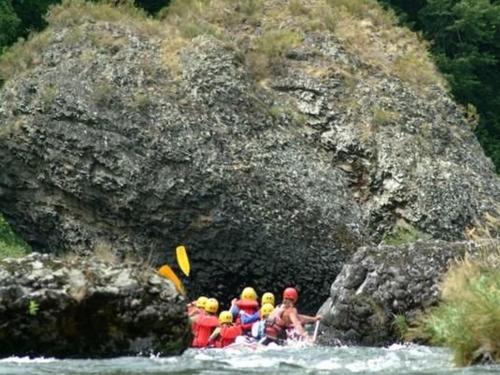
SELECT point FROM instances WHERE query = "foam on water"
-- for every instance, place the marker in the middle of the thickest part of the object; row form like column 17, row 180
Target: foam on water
column 396, row 359
column 24, row 360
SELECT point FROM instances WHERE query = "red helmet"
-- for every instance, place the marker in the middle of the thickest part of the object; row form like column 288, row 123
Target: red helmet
column 291, row 293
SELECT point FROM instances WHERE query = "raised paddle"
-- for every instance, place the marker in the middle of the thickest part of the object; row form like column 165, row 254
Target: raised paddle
column 182, row 259
column 168, row 273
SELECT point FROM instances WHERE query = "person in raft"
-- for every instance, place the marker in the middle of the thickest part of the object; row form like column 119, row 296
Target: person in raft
column 285, row 321
column 196, row 307
column 205, row 324
column 267, row 303
column 227, row 332
column 259, row 328
column 246, row 310
column 267, row 297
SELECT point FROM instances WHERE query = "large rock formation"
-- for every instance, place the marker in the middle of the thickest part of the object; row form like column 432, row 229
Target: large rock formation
column 87, row 308
column 380, row 283
column 114, row 136
column 202, row 162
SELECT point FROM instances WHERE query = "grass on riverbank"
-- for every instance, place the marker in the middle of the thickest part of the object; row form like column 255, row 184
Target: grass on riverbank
column 468, row 319
column 10, row 244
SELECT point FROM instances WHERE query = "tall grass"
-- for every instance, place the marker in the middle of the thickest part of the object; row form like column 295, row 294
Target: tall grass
column 10, row 244
column 367, row 30
column 468, row 319
column 26, row 54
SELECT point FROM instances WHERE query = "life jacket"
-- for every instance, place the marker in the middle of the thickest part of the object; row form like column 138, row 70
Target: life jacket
column 227, row 335
column 194, row 318
column 274, row 330
column 247, row 313
column 202, row 329
column 247, row 305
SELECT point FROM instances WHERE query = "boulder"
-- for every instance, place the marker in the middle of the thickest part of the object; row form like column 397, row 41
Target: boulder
column 271, row 174
column 78, row 307
column 201, row 162
column 382, row 282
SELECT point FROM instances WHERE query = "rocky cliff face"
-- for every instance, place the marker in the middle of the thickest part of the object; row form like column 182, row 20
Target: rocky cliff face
column 269, row 182
column 87, row 308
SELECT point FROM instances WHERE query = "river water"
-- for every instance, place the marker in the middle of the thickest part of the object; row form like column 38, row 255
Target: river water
column 397, row 359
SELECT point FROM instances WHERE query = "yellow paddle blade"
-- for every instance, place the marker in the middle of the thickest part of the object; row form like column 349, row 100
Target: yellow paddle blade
column 168, row 273
column 183, row 260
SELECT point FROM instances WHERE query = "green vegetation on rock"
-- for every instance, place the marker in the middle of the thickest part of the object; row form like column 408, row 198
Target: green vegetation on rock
column 401, row 324
column 10, row 244
column 468, row 319
column 18, row 18
column 403, row 233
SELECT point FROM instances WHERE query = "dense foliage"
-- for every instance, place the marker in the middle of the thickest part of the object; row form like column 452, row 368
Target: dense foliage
column 465, row 36
column 9, row 24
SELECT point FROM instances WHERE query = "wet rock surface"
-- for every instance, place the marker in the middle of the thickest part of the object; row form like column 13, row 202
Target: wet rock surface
column 87, row 308
column 381, row 282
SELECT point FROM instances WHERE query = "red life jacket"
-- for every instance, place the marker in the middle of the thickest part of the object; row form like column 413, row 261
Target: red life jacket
column 247, row 305
column 227, row 335
column 202, row 329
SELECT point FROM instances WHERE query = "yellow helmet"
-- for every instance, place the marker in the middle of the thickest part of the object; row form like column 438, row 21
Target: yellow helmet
column 249, row 293
column 267, row 298
column 225, row 317
column 212, row 306
column 201, row 302
column 266, row 310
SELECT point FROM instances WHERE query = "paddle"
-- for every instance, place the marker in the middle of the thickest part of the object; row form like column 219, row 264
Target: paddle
column 315, row 334
column 167, row 272
column 183, row 260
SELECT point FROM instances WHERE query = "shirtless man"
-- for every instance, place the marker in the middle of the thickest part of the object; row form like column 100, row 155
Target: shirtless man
column 287, row 314
column 286, row 317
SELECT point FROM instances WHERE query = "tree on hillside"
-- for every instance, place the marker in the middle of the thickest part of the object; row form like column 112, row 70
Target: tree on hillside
column 9, row 24
column 152, row 6
column 31, row 13
column 466, row 43
column 465, row 36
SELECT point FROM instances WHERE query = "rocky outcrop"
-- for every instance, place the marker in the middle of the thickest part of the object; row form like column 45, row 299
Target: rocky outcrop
column 408, row 153
column 117, row 137
column 87, row 308
column 380, row 283
column 202, row 162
